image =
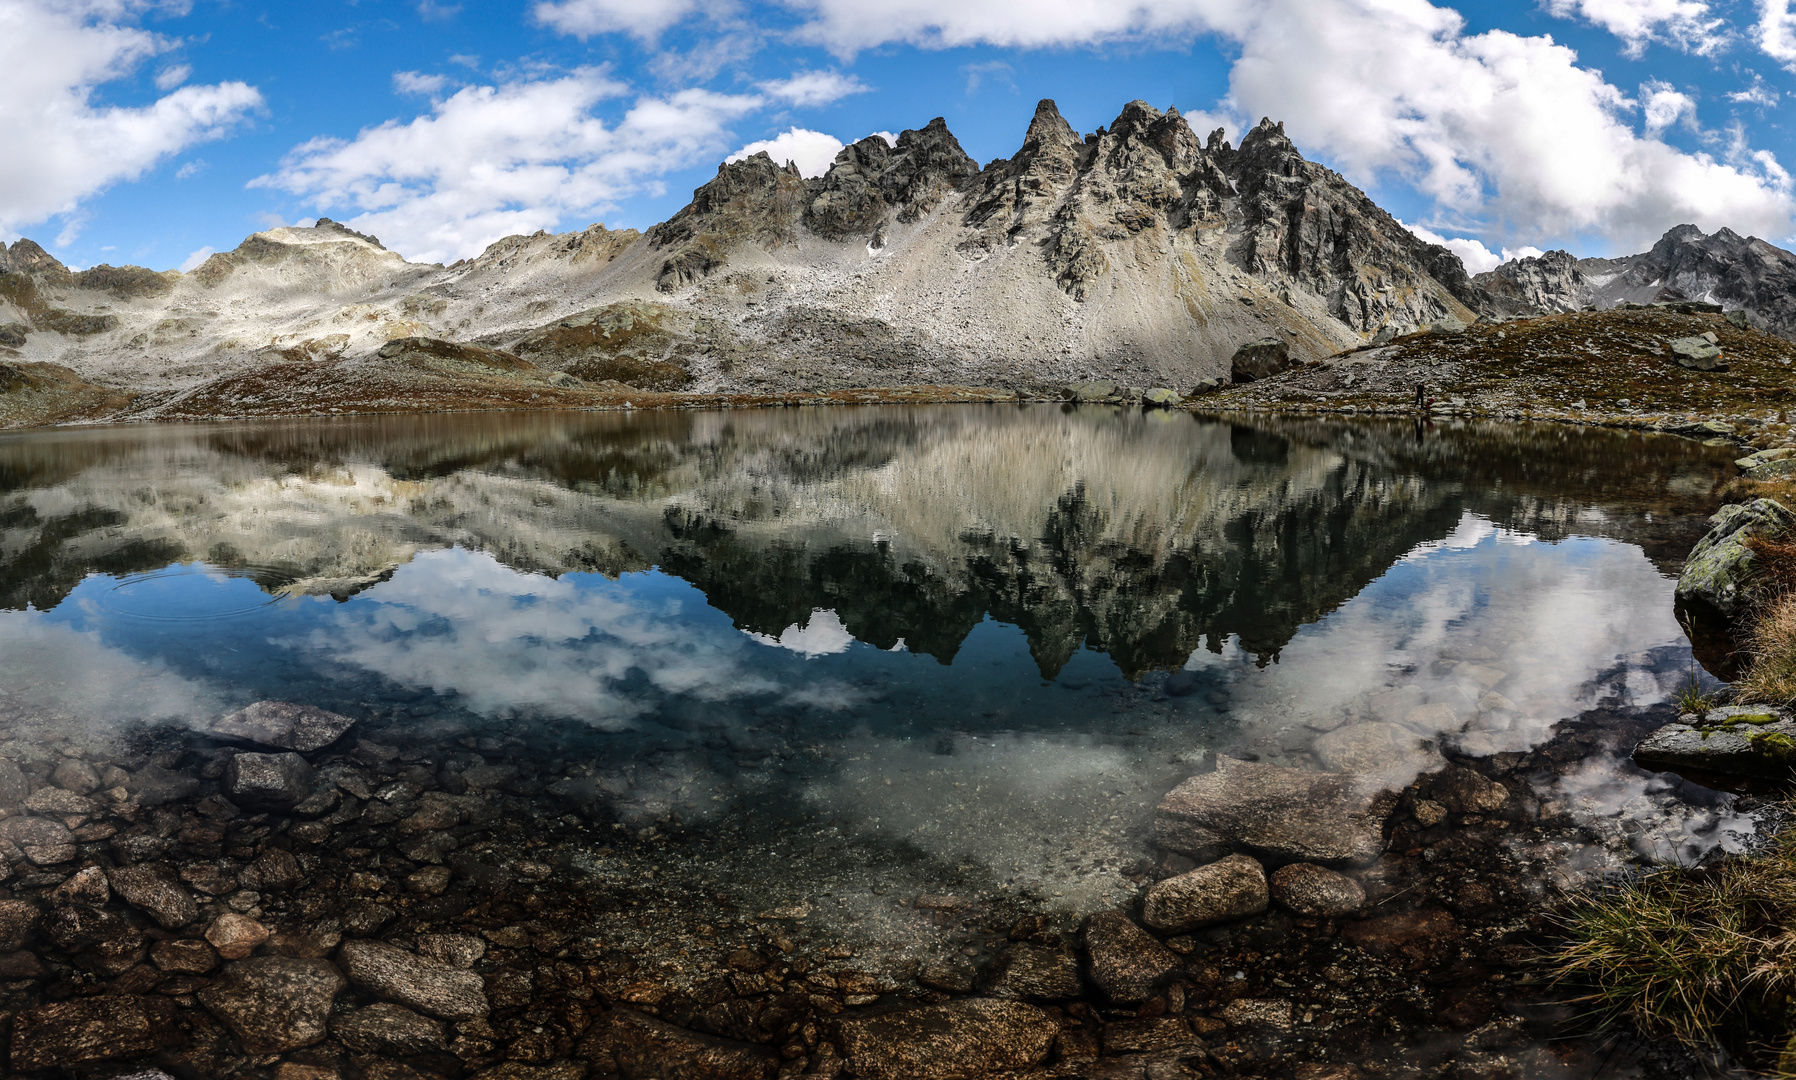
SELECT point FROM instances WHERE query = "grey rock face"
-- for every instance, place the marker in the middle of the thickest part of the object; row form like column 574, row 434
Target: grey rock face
column 384, row 1028
column 1226, row 889
column 153, row 888
column 956, row 1041
column 1291, row 813
column 413, row 981
column 1719, row 573
column 1545, row 284
column 1127, row 964
column 1259, row 359
column 275, row 1003
column 67, row 1033
column 284, row 726
column 267, row 781
column 1723, row 269
column 871, row 181
column 1316, row 891
column 628, row 1044
column 1736, row 740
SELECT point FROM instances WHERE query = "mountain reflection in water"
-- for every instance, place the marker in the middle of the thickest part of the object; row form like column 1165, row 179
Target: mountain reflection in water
column 829, row 660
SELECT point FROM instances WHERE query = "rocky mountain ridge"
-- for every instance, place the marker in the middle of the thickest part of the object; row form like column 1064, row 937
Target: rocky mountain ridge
column 1137, row 254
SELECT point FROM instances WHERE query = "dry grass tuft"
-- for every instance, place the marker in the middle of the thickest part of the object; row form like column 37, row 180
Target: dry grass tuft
column 1702, row 956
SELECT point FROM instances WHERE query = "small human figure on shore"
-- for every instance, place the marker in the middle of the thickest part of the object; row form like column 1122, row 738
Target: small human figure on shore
column 1421, row 396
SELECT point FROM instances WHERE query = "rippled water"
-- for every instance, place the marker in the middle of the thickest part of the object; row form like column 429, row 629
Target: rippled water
column 830, row 658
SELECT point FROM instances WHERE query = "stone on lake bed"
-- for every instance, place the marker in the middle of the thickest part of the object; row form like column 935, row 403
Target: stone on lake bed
column 67, row 1033
column 1127, row 963
column 283, row 725
column 959, row 1040
column 628, row 1044
column 1297, row 814
column 1043, row 972
column 385, row 1028
column 154, row 888
column 1375, row 748
column 1316, row 891
column 43, row 841
column 425, row 985
column 275, row 1003
column 267, row 781
column 235, row 936
column 1736, row 740
column 1226, row 889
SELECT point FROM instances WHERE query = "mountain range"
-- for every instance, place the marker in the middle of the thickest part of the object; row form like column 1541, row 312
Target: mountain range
column 1139, row 254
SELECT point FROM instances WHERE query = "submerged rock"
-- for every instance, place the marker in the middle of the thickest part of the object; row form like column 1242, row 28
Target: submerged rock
column 1127, row 963
column 153, row 888
column 1226, row 889
column 1291, row 813
column 268, row 781
column 1736, row 740
column 385, row 1028
column 275, row 1003
column 283, row 725
column 67, row 1033
column 956, row 1041
column 1316, row 891
column 630, row 1045
column 1029, row 970
column 425, row 985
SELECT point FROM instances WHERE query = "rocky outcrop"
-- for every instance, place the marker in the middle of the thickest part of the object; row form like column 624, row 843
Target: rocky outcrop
column 1307, row 223
column 872, row 182
column 752, row 201
column 1549, row 284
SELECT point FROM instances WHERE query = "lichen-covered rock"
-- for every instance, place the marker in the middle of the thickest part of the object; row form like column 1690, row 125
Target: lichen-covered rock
column 1719, row 573
column 1226, row 889
column 1736, row 740
column 1764, row 457
column 1291, row 813
column 1695, row 353
column 956, row 1041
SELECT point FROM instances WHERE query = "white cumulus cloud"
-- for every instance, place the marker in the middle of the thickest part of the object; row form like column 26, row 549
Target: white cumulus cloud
column 1504, row 131
column 645, row 19
column 418, row 83
column 491, row 161
column 1776, row 32
column 814, row 88
column 811, row 151
column 193, row 261
column 1476, row 257
column 1686, row 24
column 1661, row 106
column 62, row 144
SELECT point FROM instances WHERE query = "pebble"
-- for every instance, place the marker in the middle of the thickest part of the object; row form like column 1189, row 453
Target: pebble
column 1226, row 889
column 235, row 936
column 1316, row 891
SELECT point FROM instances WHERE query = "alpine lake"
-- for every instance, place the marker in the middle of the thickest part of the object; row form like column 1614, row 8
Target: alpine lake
column 832, row 742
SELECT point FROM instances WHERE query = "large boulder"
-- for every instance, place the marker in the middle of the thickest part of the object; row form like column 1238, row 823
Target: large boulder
column 1295, row 814
column 956, row 1041
column 1260, row 358
column 1719, row 574
column 1733, row 741
column 1696, row 353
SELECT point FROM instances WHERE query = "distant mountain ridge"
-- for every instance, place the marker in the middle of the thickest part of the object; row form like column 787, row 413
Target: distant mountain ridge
column 1139, row 254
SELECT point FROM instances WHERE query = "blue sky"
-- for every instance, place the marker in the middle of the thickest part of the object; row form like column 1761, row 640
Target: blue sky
column 146, row 131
